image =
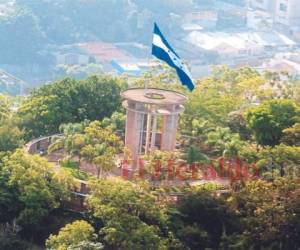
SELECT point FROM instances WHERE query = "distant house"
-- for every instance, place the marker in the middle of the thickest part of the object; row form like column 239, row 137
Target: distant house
column 265, row 5
column 206, row 18
column 240, row 44
column 72, row 59
column 104, row 52
column 287, row 12
column 188, row 27
column 259, row 20
column 131, row 67
column 284, row 12
column 134, row 49
column 126, row 67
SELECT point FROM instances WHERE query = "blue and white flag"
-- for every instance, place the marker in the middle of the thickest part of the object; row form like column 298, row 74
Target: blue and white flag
column 163, row 51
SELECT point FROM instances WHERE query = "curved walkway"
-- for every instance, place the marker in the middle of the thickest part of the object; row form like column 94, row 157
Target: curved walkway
column 41, row 145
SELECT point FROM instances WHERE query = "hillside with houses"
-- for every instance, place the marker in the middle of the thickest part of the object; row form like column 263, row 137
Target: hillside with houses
column 79, row 38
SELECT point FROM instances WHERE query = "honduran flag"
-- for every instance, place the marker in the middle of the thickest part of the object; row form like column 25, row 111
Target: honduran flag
column 163, row 51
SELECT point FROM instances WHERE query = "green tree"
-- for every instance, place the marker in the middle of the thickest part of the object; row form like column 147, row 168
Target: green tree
column 117, row 120
column 268, row 213
column 38, row 187
column 224, row 142
column 10, row 136
column 129, row 214
column 10, row 206
column 291, row 136
column 200, row 220
column 281, row 159
column 157, row 163
column 72, row 235
column 194, row 155
column 72, row 141
column 75, row 101
column 101, row 147
column 224, row 92
column 13, row 242
column 270, row 119
column 96, row 144
column 238, row 124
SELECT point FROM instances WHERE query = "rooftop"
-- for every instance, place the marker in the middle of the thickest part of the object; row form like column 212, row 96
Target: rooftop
column 154, row 96
column 104, row 52
column 238, row 40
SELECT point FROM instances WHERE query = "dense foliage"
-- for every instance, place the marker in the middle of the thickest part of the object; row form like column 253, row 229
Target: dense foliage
column 11, row 137
column 232, row 116
column 31, row 190
column 78, row 235
column 139, row 217
column 270, row 119
column 68, row 101
column 94, row 143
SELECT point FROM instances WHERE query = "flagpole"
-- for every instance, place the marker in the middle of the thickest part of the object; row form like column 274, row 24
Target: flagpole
column 148, row 61
column 149, row 114
column 146, row 82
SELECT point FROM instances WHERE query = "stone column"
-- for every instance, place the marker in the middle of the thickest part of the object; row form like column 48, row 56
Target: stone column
column 134, row 124
column 169, row 129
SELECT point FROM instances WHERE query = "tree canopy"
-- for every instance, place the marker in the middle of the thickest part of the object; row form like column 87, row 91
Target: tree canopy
column 270, row 119
column 68, row 101
column 75, row 236
column 238, row 117
column 130, row 216
column 33, row 187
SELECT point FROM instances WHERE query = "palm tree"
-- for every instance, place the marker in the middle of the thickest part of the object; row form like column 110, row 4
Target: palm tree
column 224, row 141
column 72, row 141
column 194, row 155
